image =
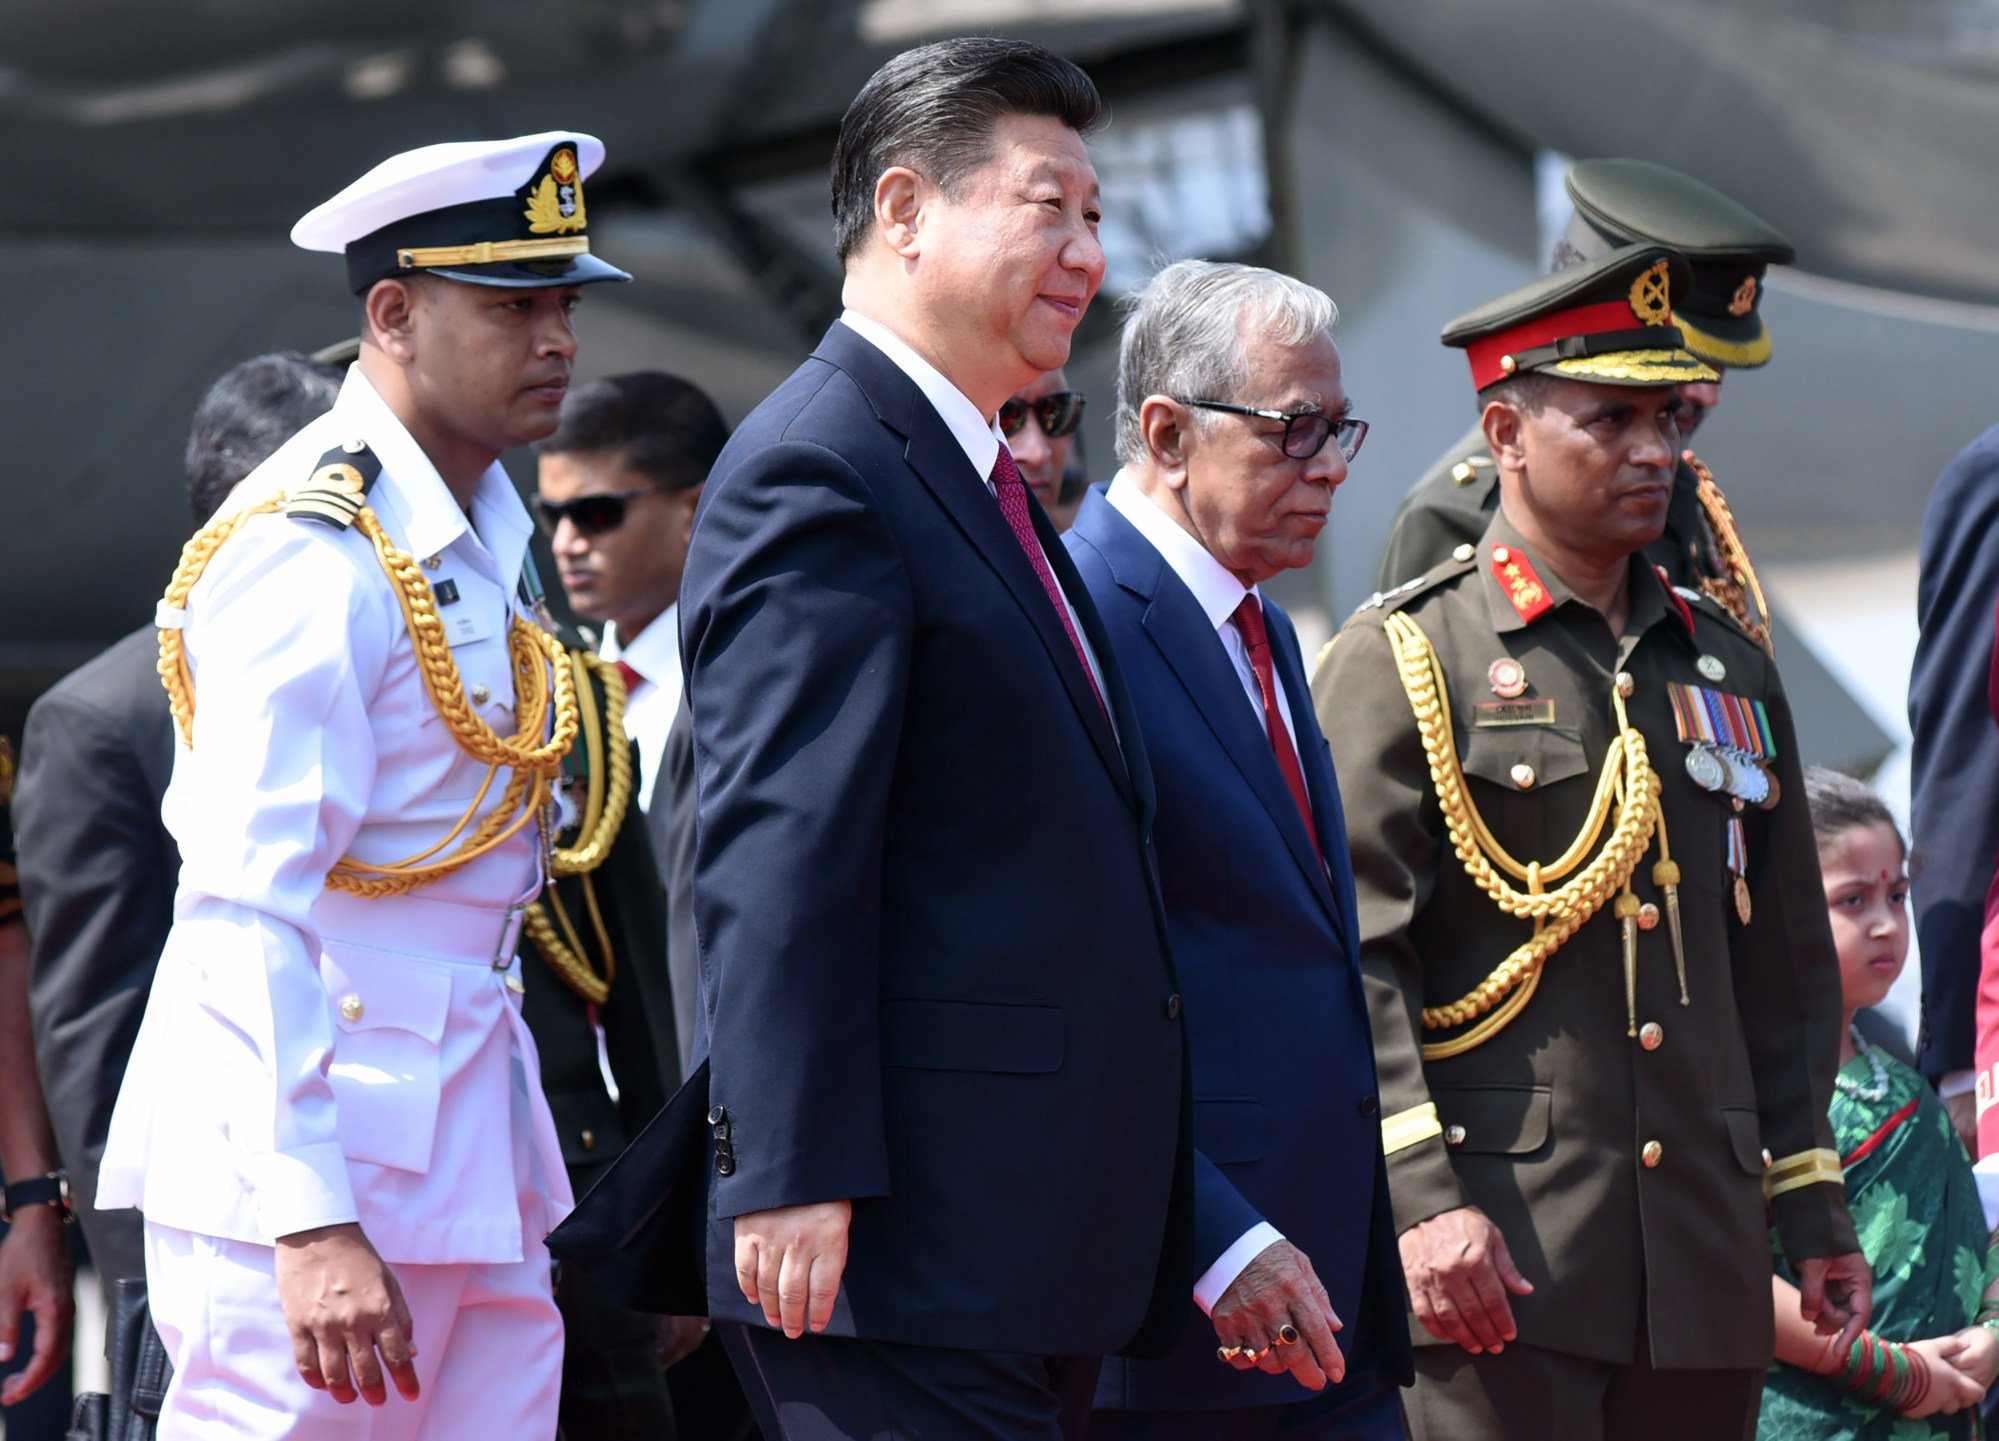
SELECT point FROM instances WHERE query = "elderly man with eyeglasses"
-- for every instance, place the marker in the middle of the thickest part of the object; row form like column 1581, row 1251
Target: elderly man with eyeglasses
column 1234, row 430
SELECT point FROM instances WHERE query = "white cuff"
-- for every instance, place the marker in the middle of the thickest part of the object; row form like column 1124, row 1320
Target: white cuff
column 1232, row 1263
column 1956, row 1083
column 301, row 1190
column 1986, row 1173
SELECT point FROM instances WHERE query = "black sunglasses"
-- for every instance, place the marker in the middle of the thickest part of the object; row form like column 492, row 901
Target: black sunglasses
column 1306, row 433
column 1058, row 414
column 591, row 514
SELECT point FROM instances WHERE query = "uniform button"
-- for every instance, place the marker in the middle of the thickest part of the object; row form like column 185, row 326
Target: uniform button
column 1648, row 916
column 1369, row 1104
column 1625, row 684
column 516, row 984
column 1173, row 1007
column 718, row 1115
column 1454, row 1135
column 350, row 1008
column 1651, row 1036
column 432, row 562
column 1652, row 1155
column 480, row 695
column 1501, row 554
column 1463, row 552
column 1523, row 776
column 589, row 1140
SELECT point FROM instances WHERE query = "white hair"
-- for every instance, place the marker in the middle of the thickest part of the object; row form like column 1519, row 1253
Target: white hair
column 1184, row 337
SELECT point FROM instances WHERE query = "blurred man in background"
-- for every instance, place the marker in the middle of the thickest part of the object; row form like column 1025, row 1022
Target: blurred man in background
column 1039, row 423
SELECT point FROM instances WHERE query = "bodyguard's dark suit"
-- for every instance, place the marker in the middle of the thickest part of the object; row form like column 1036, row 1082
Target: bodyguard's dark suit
column 98, row 871
column 1954, row 803
column 934, row 963
column 1287, row 1122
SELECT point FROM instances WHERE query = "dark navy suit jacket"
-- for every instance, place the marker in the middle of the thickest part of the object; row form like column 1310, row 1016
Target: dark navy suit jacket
column 1954, row 782
column 1287, row 1122
column 934, row 962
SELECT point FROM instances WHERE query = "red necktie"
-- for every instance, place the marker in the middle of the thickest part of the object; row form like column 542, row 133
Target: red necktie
column 1249, row 620
column 632, row 678
column 1012, row 493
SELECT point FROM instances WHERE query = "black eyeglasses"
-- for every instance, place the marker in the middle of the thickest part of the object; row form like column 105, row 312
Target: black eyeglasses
column 1058, row 414
column 591, row 514
column 1305, row 433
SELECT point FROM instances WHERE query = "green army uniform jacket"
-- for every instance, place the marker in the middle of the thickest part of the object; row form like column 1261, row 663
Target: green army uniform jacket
column 1625, row 1174
column 1442, row 512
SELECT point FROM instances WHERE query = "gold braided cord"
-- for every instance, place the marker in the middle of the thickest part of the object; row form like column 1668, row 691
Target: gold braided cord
column 1627, row 784
column 1737, row 591
column 608, row 795
column 535, row 656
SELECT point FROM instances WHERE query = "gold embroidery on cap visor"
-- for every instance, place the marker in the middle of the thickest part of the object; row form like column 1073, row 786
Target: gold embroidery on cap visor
column 1633, row 367
column 1736, row 354
column 489, row 252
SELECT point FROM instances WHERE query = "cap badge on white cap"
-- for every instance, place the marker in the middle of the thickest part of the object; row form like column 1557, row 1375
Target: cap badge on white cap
column 555, row 203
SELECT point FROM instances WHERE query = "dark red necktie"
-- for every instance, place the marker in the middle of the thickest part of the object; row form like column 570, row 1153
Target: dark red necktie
column 1249, row 620
column 1012, row 493
column 632, row 678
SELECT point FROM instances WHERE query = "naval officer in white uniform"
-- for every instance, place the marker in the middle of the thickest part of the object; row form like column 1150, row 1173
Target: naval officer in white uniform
column 333, row 1118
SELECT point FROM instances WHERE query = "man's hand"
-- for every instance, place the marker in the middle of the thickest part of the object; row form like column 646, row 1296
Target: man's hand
column 678, row 1338
column 1278, row 1289
column 1459, row 1272
column 789, row 1261
column 1963, row 1112
column 34, row 1277
column 343, row 1306
column 1836, row 1293
column 1945, row 1389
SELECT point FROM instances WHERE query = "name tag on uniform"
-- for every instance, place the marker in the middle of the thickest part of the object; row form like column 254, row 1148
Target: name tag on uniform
column 461, row 627
column 1495, row 714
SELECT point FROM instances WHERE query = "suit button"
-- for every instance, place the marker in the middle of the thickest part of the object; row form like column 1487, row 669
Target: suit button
column 589, row 1140
column 1651, row 1035
column 1369, row 1104
column 1173, row 1007
column 350, row 1008
column 721, row 1130
column 1652, row 1155
column 725, row 1165
column 1454, row 1135
column 717, row 1116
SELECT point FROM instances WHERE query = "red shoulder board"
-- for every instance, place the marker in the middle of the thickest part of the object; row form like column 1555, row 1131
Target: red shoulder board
column 1679, row 601
column 1516, row 577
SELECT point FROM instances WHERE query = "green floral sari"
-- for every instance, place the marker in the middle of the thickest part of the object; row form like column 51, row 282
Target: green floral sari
column 1916, row 1209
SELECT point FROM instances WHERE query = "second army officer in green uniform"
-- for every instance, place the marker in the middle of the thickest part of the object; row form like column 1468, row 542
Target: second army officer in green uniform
column 1596, row 952
column 1719, row 315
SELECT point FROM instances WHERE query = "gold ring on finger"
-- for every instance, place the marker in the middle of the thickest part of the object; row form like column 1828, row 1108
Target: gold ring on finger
column 1252, row 1355
column 1287, row 1335
column 1227, row 1353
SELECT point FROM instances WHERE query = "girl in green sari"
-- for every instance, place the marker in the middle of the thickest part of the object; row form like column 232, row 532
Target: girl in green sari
column 1922, row 1369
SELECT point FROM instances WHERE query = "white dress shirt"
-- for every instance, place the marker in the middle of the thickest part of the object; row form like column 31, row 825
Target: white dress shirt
column 1219, row 594
column 651, row 704
column 308, row 1057
column 977, row 435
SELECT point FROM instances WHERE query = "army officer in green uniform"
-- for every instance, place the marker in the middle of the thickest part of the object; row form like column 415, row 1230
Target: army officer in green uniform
column 1719, row 315
column 1596, row 952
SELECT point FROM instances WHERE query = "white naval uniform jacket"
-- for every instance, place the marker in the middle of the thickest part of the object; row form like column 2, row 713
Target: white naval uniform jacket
column 308, row 1057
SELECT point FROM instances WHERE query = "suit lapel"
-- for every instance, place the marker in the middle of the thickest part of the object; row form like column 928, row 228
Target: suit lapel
column 940, row 464
column 1176, row 625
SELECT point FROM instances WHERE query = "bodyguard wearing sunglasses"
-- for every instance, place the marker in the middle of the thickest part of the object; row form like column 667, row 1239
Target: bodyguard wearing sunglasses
column 1234, row 430
column 1039, row 423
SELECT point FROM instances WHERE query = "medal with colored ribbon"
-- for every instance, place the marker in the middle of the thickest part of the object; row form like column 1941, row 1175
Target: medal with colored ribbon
column 1729, row 742
column 1738, row 866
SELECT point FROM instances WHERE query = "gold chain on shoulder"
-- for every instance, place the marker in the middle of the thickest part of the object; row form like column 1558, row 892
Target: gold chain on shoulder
column 536, row 657
column 608, row 795
column 1736, row 590
column 1626, row 784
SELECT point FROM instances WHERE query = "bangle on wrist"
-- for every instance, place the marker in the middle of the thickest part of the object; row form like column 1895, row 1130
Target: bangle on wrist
column 47, row 1190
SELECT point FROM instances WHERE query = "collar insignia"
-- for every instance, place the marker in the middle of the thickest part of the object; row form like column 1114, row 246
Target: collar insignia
column 1522, row 586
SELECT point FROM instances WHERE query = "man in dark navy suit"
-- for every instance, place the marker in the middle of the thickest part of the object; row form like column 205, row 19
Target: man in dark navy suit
column 951, row 1166
column 1234, row 429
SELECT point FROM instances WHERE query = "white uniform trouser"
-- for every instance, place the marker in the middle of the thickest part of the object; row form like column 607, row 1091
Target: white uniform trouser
column 489, row 1350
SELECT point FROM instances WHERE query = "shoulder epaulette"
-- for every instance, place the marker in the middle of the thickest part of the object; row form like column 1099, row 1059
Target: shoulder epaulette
column 1707, row 605
column 1462, row 561
column 339, row 487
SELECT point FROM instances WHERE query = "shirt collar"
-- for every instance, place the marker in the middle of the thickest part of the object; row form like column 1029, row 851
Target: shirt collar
column 1648, row 592
column 1216, row 590
column 976, row 434
column 429, row 517
column 653, row 651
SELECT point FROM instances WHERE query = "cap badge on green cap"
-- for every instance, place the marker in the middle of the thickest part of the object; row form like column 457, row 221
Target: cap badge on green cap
column 1744, row 299
column 555, row 199
column 1652, row 295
